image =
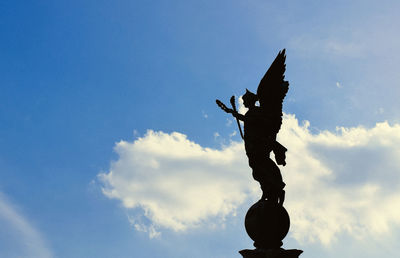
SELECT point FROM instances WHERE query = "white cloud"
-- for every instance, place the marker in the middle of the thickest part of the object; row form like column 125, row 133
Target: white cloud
column 338, row 182
column 177, row 182
column 21, row 239
column 242, row 109
column 344, row 181
column 140, row 226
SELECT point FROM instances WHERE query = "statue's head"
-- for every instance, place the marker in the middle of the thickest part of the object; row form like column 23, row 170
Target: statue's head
column 249, row 99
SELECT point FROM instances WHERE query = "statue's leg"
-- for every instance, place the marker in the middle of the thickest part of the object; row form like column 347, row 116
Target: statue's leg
column 271, row 182
column 257, row 163
column 258, row 176
column 267, row 173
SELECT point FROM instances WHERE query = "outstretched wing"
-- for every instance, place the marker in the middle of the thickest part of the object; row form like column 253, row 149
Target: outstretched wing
column 273, row 88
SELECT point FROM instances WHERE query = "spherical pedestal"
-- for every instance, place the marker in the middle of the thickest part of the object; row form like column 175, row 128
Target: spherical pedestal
column 267, row 223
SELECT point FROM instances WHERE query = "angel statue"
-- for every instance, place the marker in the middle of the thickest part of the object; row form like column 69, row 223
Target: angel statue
column 261, row 125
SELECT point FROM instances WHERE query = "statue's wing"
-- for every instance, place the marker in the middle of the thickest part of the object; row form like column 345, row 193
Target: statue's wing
column 273, row 88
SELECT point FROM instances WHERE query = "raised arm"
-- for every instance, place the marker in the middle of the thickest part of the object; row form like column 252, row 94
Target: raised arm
column 229, row 110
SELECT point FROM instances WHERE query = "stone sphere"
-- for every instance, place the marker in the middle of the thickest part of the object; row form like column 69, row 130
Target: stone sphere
column 267, row 223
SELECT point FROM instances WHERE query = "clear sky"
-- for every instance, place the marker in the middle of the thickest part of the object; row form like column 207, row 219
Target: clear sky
column 111, row 144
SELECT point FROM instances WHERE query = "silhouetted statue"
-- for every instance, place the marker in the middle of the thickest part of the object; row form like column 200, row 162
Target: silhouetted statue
column 261, row 125
column 267, row 221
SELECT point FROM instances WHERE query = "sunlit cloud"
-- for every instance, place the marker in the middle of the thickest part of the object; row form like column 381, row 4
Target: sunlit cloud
column 341, row 182
column 176, row 182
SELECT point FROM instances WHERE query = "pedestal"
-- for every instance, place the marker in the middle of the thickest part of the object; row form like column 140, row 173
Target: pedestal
column 273, row 253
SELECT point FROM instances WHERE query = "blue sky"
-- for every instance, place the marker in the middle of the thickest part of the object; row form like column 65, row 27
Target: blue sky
column 111, row 144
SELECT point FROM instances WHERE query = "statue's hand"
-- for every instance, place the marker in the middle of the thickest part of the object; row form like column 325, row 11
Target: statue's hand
column 223, row 107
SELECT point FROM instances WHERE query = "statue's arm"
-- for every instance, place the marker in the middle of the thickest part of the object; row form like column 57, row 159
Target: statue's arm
column 230, row 110
column 235, row 114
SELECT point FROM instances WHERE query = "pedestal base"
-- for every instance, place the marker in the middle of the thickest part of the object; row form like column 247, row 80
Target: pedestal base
column 271, row 253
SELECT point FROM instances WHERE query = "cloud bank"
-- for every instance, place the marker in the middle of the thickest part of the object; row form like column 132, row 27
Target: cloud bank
column 178, row 183
column 345, row 181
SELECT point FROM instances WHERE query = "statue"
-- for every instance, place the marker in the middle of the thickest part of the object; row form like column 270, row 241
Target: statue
column 267, row 222
column 261, row 125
